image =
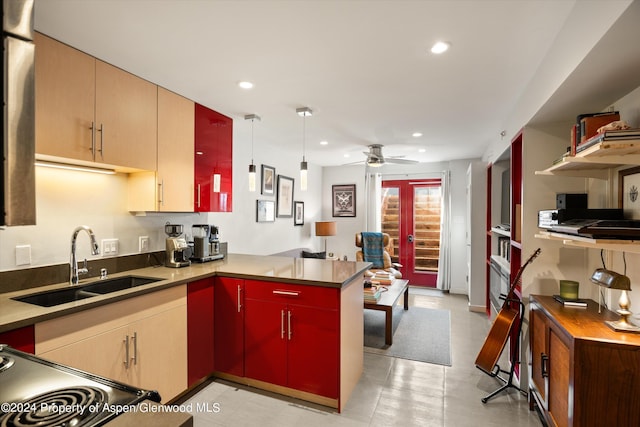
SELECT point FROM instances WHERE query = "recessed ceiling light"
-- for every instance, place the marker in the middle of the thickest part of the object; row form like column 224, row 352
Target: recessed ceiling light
column 416, row 134
column 440, row 47
column 347, row 155
column 422, row 150
column 245, row 85
column 324, row 142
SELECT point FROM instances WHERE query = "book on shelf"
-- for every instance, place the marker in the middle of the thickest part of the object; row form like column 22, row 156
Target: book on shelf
column 617, row 136
column 570, row 302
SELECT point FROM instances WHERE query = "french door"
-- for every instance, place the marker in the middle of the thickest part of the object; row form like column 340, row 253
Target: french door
column 411, row 216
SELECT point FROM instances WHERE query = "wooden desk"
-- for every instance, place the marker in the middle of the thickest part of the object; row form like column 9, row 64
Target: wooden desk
column 386, row 303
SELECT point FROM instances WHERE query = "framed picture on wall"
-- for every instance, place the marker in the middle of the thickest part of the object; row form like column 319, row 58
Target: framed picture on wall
column 268, row 179
column 265, row 211
column 343, row 200
column 298, row 209
column 284, row 197
column 628, row 188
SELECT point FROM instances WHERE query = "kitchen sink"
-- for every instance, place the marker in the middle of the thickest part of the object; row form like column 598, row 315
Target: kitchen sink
column 76, row 293
column 106, row 286
column 51, row 298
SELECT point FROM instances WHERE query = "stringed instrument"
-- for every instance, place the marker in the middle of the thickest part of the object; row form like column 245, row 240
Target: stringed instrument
column 501, row 328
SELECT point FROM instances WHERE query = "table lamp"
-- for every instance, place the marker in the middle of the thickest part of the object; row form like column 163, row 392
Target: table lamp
column 612, row 280
column 326, row 228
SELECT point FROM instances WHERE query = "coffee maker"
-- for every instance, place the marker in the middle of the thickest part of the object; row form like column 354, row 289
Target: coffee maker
column 178, row 251
column 206, row 246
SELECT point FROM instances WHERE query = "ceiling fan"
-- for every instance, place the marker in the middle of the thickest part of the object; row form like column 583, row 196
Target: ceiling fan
column 376, row 159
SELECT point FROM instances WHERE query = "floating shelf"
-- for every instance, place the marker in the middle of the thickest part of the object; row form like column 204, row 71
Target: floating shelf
column 632, row 246
column 501, row 232
column 597, row 160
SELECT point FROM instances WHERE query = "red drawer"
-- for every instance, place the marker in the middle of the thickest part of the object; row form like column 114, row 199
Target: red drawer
column 312, row 296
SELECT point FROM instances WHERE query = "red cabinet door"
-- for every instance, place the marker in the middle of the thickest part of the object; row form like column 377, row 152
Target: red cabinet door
column 213, row 163
column 313, row 350
column 22, row 339
column 200, row 333
column 265, row 355
column 228, row 334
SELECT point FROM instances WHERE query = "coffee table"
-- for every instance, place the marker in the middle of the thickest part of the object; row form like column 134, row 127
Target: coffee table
column 386, row 303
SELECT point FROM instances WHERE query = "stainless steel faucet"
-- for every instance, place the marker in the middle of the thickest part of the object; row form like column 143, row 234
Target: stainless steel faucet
column 74, row 272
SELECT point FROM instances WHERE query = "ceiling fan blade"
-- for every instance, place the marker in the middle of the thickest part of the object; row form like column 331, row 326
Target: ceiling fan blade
column 401, row 161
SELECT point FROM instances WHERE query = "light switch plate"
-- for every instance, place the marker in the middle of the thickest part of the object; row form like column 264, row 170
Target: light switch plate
column 143, row 244
column 109, row 247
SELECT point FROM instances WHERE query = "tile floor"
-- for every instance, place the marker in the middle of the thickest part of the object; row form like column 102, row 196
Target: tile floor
column 391, row 391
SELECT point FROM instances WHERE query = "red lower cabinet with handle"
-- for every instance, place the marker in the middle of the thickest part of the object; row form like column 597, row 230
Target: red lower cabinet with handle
column 229, row 312
column 292, row 336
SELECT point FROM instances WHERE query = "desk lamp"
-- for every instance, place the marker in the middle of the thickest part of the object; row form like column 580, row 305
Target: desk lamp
column 612, row 280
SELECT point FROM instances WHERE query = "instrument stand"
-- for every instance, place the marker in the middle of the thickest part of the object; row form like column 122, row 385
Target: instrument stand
column 508, row 382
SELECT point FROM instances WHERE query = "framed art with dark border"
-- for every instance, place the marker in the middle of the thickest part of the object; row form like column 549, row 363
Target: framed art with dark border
column 628, row 188
column 343, row 200
column 298, row 209
column 284, row 197
column 268, row 179
column 265, row 211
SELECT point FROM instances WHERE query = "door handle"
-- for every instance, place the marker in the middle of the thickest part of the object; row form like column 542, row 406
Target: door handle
column 410, row 238
column 134, row 338
column 239, row 305
column 289, row 324
column 126, row 352
column 544, row 362
column 93, row 141
column 281, row 324
column 101, row 150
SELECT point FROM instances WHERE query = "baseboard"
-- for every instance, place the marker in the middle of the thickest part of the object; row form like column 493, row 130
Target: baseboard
column 477, row 308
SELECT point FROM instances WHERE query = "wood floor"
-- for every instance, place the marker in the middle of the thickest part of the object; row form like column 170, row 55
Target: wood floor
column 391, row 392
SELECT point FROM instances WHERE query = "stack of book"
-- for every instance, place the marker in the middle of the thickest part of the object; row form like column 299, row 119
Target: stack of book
column 372, row 294
column 613, row 136
column 382, row 278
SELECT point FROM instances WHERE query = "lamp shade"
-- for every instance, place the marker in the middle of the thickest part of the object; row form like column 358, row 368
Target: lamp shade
column 326, row 228
column 611, row 279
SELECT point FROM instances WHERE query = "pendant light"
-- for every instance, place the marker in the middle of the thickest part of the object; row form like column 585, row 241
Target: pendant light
column 252, row 167
column 304, row 112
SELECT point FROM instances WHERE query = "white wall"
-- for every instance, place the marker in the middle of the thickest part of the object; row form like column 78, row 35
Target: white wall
column 344, row 242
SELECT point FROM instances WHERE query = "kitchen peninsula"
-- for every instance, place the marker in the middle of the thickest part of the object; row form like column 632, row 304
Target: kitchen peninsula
column 297, row 317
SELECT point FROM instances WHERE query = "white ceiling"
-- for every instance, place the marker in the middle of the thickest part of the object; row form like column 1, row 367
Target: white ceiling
column 364, row 67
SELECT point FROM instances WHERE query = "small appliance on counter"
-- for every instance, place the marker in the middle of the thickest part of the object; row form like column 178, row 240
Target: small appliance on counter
column 178, row 251
column 206, row 246
column 36, row 392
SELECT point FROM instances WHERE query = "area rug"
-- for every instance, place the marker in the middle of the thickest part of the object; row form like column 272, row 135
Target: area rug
column 422, row 334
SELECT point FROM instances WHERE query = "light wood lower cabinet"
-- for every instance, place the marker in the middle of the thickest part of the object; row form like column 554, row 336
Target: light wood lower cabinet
column 140, row 341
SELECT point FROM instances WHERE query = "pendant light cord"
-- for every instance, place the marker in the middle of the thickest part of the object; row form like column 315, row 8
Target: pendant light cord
column 304, row 136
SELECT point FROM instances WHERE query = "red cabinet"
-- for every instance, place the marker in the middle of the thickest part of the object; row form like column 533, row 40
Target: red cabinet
column 229, row 313
column 200, row 332
column 213, row 161
column 292, row 336
column 22, row 339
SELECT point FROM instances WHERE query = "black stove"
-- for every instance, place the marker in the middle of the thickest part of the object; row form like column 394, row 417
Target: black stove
column 36, row 392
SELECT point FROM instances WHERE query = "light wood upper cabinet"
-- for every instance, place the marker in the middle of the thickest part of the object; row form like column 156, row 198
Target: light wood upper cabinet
column 65, row 100
column 171, row 188
column 89, row 110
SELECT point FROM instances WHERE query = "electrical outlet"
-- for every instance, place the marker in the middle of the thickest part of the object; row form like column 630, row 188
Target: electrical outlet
column 143, row 244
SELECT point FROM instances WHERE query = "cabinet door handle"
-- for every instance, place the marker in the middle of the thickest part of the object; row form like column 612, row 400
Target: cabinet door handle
column 134, row 338
column 239, row 304
column 289, row 324
column 93, row 140
column 161, row 192
column 101, row 150
column 198, row 195
column 126, row 352
column 544, row 364
column 287, row 293
column 281, row 324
